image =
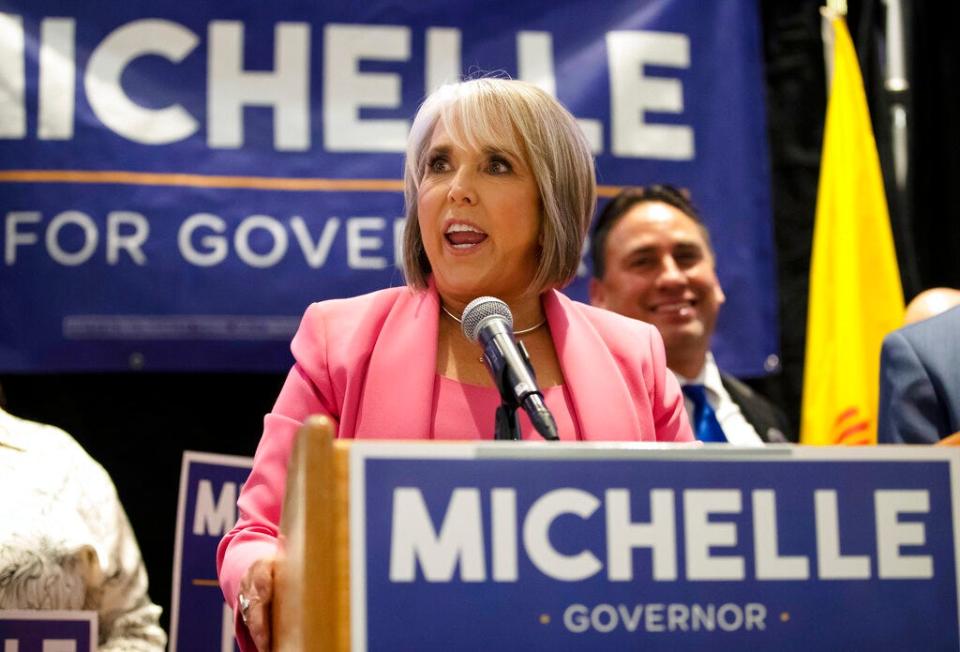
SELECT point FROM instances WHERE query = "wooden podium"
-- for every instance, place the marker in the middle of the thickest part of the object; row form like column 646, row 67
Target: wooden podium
column 312, row 584
column 600, row 546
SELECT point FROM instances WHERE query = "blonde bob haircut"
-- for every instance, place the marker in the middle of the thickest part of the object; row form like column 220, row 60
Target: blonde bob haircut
column 521, row 120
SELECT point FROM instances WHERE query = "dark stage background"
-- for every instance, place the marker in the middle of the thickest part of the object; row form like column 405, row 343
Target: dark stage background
column 138, row 425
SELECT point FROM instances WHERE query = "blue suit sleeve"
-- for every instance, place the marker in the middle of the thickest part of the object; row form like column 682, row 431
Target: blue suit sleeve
column 910, row 412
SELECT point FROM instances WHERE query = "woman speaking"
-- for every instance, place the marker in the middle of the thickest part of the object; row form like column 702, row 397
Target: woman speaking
column 500, row 188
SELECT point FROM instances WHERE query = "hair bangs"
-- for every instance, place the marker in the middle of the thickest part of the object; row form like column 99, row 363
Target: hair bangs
column 480, row 121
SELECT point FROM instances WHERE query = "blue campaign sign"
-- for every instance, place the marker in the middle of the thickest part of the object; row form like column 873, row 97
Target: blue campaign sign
column 179, row 180
column 573, row 548
column 207, row 509
column 48, row 631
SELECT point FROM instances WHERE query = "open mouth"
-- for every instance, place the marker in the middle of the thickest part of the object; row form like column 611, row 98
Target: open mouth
column 464, row 236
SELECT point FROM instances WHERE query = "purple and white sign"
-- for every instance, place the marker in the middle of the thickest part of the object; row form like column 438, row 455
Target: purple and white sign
column 207, row 509
column 571, row 547
column 48, row 631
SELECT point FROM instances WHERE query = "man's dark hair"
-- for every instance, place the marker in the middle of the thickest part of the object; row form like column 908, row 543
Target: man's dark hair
column 625, row 200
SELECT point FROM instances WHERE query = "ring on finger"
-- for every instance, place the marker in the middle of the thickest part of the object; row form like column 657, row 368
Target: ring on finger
column 244, row 603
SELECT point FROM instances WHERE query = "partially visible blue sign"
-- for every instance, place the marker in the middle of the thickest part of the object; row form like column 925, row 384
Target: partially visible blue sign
column 48, row 631
column 178, row 181
column 207, row 509
column 567, row 548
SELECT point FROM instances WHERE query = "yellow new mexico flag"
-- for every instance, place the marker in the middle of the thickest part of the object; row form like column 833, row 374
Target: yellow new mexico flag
column 855, row 293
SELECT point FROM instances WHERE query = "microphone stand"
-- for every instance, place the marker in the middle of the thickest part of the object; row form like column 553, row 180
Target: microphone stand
column 507, row 425
column 506, row 422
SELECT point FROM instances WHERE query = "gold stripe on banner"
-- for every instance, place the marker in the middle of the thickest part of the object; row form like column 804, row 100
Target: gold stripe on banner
column 198, row 180
column 216, row 181
column 609, row 191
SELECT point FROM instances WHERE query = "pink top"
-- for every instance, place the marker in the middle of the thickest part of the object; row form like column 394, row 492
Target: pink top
column 463, row 411
column 370, row 364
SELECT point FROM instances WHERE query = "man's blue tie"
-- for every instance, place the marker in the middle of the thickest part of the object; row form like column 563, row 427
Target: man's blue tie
column 705, row 425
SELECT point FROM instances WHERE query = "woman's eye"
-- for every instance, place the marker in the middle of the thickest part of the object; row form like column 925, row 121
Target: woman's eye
column 499, row 166
column 438, row 164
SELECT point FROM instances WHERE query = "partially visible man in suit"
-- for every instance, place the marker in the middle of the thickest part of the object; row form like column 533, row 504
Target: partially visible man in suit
column 652, row 260
column 920, row 382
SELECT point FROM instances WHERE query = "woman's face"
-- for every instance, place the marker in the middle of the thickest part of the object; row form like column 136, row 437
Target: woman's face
column 479, row 213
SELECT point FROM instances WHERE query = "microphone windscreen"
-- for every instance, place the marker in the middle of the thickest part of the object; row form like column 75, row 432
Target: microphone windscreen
column 480, row 309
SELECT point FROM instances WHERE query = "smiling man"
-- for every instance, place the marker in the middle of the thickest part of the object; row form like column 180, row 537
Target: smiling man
column 652, row 260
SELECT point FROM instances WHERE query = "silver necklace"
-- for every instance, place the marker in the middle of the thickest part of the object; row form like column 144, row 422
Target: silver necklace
column 519, row 332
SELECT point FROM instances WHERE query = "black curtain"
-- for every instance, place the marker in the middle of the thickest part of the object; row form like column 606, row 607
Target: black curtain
column 796, row 104
column 935, row 141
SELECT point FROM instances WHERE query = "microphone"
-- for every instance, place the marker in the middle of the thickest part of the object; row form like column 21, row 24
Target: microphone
column 488, row 322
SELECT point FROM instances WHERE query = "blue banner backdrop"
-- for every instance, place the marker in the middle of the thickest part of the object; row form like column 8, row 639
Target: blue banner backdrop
column 178, row 181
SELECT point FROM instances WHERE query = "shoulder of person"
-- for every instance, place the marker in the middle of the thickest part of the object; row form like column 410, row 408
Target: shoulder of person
column 636, row 346
column 760, row 412
column 359, row 312
column 731, row 382
column 346, row 330
column 60, row 451
column 626, row 337
column 932, row 329
column 34, row 436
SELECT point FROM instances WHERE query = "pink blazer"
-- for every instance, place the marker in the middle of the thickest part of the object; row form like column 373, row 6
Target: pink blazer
column 369, row 363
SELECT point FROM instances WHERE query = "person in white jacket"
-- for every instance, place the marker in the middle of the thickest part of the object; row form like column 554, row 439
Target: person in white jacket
column 65, row 541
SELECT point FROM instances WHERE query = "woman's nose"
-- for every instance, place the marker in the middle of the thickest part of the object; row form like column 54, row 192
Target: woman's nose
column 462, row 190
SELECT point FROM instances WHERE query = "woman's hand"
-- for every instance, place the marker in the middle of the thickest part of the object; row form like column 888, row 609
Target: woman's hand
column 256, row 601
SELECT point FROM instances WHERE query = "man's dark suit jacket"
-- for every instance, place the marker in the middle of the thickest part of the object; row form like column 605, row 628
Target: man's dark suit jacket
column 920, row 381
column 766, row 418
